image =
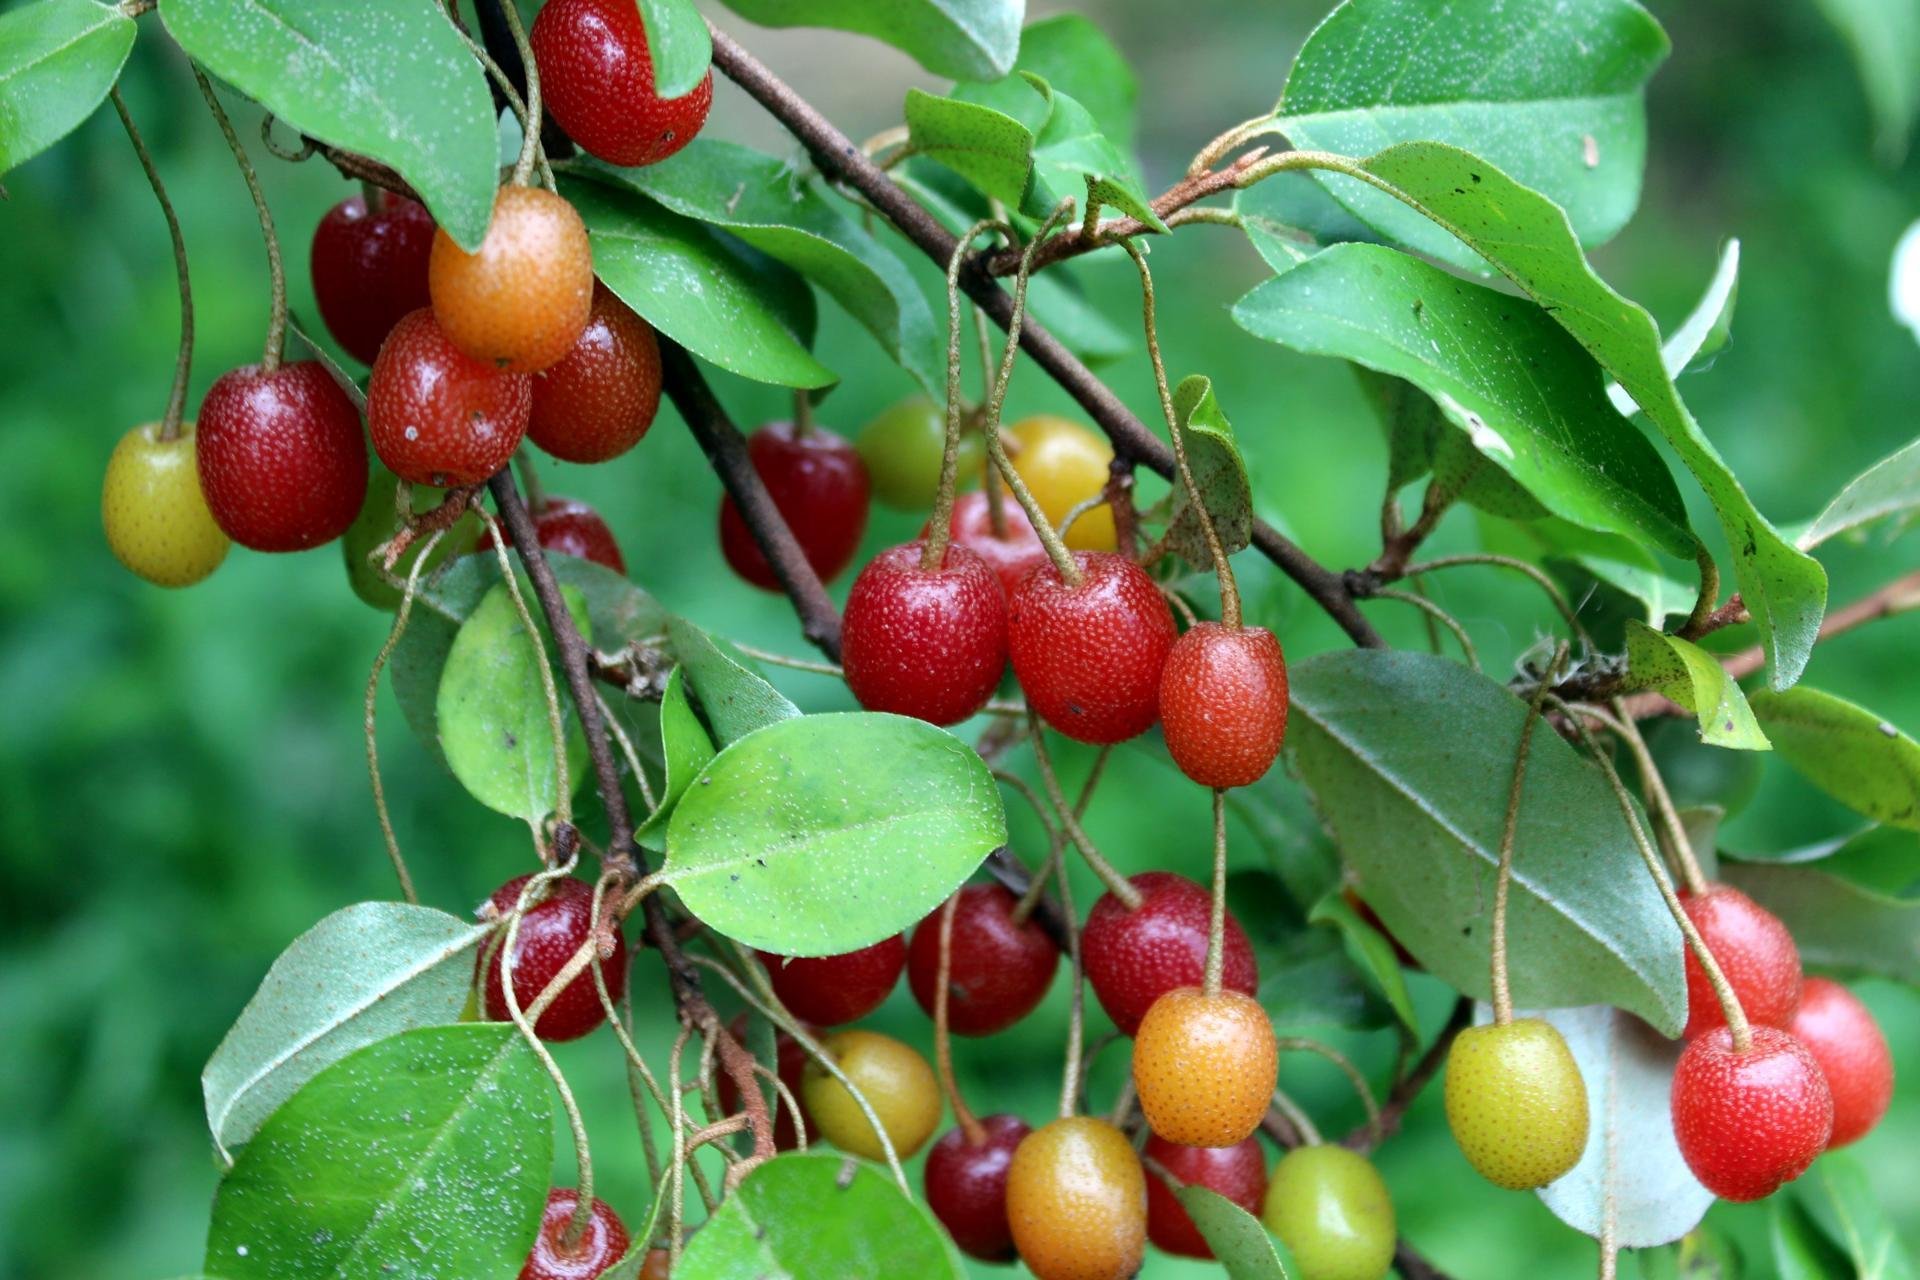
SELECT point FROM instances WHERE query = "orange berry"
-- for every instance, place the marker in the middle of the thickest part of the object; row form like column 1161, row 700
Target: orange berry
column 1205, row 1066
column 523, row 300
column 1077, row 1202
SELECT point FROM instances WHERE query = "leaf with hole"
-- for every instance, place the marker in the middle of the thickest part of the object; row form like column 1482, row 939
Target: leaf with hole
column 1847, row 751
column 1239, row 1241
column 1688, row 675
column 686, row 748
column 58, row 59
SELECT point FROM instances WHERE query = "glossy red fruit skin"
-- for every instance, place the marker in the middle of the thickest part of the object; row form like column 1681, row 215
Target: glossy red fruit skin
column 791, row 1065
column 967, row 1187
column 1089, row 656
column 1844, row 1038
column 1011, row 557
column 830, row 991
column 819, row 484
column 1238, row 1172
column 572, row 529
column 596, row 76
column 600, row 399
column 1132, row 958
column 370, row 269
column 998, row 971
column 604, row 1243
column 437, row 415
column 550, row 932
column 1748, row 1122
column 1223, row 703
column 282, row 458
column 1753, row 949
column 930, row 644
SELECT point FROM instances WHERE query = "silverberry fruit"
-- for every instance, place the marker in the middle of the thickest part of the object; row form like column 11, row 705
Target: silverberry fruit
column 1132, row 958
column 550, row 932
column 1238, row 1172
column 438, row 416
column 1748, row 1122
column 966, row 1186
column 921, row 642
column 830, row 990
column 596, row 74
column 1089, row 655
column 818, row 484
column 599, row 400
column 1223, row 703
column 603, row 1243
column 283, row 460
column 370, row 269
column 998, row 970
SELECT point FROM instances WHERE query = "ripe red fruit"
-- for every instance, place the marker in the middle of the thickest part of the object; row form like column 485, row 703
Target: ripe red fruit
column 818, row 483
column 1753, row 949
column 570, row 528
column 998, row 970
column 1238, row 1172
column 967, row 1187
column 926, row 643
column 790, row 1063
column 283, row 462
column 600, row 399
column 1846, row 1041
column 596, row 74
column 1748, row 1122
column 437, row 415
column 550, row 932
column 1223, row 703
column 370, row 269
column 830, row 990
column 1012, row 556
column 1132, row 958
column 1089, row 656
column 604, row 1242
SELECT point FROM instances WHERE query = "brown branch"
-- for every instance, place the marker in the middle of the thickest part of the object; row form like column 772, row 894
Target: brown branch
column 353, row 165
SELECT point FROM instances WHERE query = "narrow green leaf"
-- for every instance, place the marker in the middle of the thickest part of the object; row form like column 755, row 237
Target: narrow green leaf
column 1690, row 676
column 959, row 39
column 678, row 46
column 58, row 59
column 1240, row 1242
column 1840, row 923
column 1847, row 751
column 1219, row 472
column 1844, row 1202
column 1071, row 157
column 1704, row 333
column 1890, row 488
column 988, row 148
column 1800, row 1250
column 735, row 698
column 685, row 746
column 1373, row 952
column 1884, row 38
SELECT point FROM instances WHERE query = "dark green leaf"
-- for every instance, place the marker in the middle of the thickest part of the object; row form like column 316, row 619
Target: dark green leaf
column 1071, row 157
column 678, row 46
column 1690, row 676
column 988, row 148
column 1240, row 1242
column 735, row 698
column 960, row 39
column 1884, row 37
column 58, row 59
column 1704, row 333
column 1372, row 951
column 1308, row 976
column 1889, row 488
column 1219, row 472
column 1839, row 921
column 1281, row 819
column 1461, row 471
column 1800, row 1250
column 1847, row 751
column 685, row 746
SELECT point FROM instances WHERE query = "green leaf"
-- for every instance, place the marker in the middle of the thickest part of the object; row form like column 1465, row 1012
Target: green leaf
column 685, row 746
column 58, row 59
column 1889, row 488
column 1841, row 924
column 1844, row 1202
column 808, row 1217
column 678, row 46
column 959, row 39
column 1240, row 1242
column 1219, row 472
column 735, row 698
column 427, row 1153
column 1548, row 92
column 1373, row 952
column 1800, row 1250
column 1075, row 57
column 1704, row 333
column 824, row 834
column 1614, row 560
column 1071, row 157
column 404, row 90
column 364, row 973
column 1884, row 38
column 1289, row 215
column 1690, row 676
column 1422, row 827
column 1499, row 368
column 988, row 148
column 1308, row 976
column 1847, row 751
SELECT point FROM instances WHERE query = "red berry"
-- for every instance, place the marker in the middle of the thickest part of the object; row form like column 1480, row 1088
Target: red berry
column 550, row 932
column 596, row 75
column 570, row 528
column 1012, row 556
column 370, row 269
column 1089, row 656
column 1132, row 958
column 1238, row 1172
column 1223, row 703
column 967, row 1187
column 1747, row 1122
column 604, row 1242
column 818, row 483
column 1753, row 949
column 438, row 416
column 830, row 990
column 998, row 970
column 926, row 643
column 600, row 399
column 791, row 1066
column 283, row 462
column 1846, row 1041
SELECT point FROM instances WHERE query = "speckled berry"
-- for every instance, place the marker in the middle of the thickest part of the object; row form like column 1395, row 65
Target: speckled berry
column 1754, row 951
column 1089, row 654
column 597, row 77
column 1205, row 1066
column 1516, row 1102
column 1238, row 1172
column 966, row 1186
column 551, row 931
column 156, row 518
column 603, row 1243
column 1132, row 958
column 1012, row 554
column 819, row 486
column 929, row 643
column 568, row 528
column 1749, row 1122
column 999, row 970
column 521, row 302
column 1064, row 464
column 904, row 447
column 897, row 1083
column 283, row 460
column 438, row 416
column 1843, row 1037
column 1223, row 703
column 830, row 990
column 1077, row 1202
column 370, row 269
column 1330, row 1208
column 599, row 400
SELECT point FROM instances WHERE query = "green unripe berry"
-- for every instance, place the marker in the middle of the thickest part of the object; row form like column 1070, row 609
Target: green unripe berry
column 903, row 448
column 1331, row 1209
column 1516, row 1103
column 378, row 521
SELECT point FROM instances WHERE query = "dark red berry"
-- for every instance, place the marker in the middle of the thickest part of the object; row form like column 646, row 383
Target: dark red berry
column 1089, row 655
column 1846, row 1041
column 998, row 970
column 602, row 1244
column 830, row 990
column 1132, row 958
column 600, row 399
column 596, row 75
column 1753, row 949
column 1223, row 703
column 1748, row 1122
column 437, row 415
column 1011, row 556
column 550, row 932
column 282, row 458
column 818, row 483
column 1238, row 1172
column 370, row 269
column 572, row 529
column 791, row 1066
column 926, row 643
column 967, row 1187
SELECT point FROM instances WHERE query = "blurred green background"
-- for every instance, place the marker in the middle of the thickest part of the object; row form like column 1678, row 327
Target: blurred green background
column 182, row 779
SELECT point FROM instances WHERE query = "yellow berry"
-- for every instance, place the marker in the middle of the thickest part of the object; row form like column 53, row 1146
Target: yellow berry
column 1077, row 1201
column 156, row 518
column 1516, row 1103
column 1205, row 1066
column 1064, row 464
column 897, row 1083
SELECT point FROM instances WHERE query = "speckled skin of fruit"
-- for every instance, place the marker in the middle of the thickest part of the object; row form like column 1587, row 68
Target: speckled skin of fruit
column 925, row 643
column 999, row 970
column 1077, row 1202
column 1749, row 1122
column 370, row 269
column 155, row 516
column 1064, row 464
column 1846, row 1041
column 604, row 1243
column 1516, row 1103
column 550, row 932
column 1238, row 1172
column 1205, row 1066
column 1089, row 655
column 903, row 448
column 1013, row 556
column 438, row 416
column 568, row 528
column 830, row 990
column 1132, row 958
column 599, row 400
column 596, row 75
column 790, row 1063
column 521, row 302
column 379, row 520
column 897, row 1082
column 1331, row 1209
column 966, row 1186
column 1753, row 949
column 283, row 461
column 1223, row 703
column 818, row 483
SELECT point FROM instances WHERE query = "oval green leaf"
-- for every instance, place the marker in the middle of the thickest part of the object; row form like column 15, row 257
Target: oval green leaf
column 1844, row 1202
column 1075, row 57
column 1688, row 675
column 1071, row 157
column 685, row 747
column 678, row 45
column 1847, row 751
column 58, row 59
column 1240, row 1242
column 1219, row 473
column 989, row 148
column 959, row 39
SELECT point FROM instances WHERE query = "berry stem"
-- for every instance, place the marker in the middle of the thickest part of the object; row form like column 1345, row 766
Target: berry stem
column 942, row 1033
column 373, row 688
column 1298, row 1118
column 1352, row 1073
column 276, row 270
column 1077, row 1009
column 933, row 553
column 1502, row 991
column 1660, row 800
column 530, row 125
column 1118, row 885
column 1545, row 583
column 802, row 414
column 1217, row 920
column 177, row 397
column 1030, row 899
column 1434, row 611
column 989, row 474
